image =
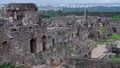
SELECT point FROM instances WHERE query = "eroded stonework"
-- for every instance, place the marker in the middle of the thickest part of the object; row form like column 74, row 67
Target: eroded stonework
column 29, row 40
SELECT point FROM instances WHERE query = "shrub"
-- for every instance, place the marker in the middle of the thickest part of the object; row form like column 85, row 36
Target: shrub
column 102, row 31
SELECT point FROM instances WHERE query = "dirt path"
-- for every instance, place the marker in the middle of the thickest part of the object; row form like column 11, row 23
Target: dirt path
column 99, row 51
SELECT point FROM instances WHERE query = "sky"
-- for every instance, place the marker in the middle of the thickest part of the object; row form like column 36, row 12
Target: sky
column 45, row 2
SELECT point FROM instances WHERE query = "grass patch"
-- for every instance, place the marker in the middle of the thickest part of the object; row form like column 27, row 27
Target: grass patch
column 114, row 36
column 71, row 52
column 38, row 54
column 7, row 66
column 114, row 59
column 100, row 42
column 116, row 17
column 102, row 31
column 64, row 46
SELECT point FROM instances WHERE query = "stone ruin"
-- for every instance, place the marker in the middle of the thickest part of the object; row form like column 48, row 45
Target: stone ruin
column 29, row 40
column 76, row 62
column 113, row 50
column 16, row 11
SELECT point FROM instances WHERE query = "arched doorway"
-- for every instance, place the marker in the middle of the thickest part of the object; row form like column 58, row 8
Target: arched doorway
column 33, row 45
column 78, row 30
column 53, row 41
column 44, row 42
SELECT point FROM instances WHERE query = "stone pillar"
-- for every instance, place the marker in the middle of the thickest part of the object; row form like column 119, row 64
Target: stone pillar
column 85, row 14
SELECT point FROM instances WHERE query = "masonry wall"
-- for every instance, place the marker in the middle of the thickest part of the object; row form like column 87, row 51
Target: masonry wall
column 91, row 63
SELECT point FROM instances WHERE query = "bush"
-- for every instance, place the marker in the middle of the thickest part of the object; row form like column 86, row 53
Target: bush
column 102, row 31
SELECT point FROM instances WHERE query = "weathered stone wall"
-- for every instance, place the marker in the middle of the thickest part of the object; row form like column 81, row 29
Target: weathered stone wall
column 16, row 11
column 16, row 41
column 113, row 27
column 91, row 63
column 21, row 41
column 31, row 18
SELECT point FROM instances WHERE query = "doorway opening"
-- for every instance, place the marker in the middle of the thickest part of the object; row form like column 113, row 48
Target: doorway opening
column 44, row 42
column 33, row 45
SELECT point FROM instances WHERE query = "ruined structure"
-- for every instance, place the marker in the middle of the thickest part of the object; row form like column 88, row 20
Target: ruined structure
column 29, row 40
column 86, row 14
column 16, row 11
column 75, row 62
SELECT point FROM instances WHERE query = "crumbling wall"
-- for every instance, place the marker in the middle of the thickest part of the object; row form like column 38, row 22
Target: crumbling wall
column 113, row 27
column 31, row 18
column 91, row 63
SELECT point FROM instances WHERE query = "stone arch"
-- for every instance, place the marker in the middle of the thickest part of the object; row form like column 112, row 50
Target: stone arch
column 33, row 45
column 114, row 29
column 44, row 38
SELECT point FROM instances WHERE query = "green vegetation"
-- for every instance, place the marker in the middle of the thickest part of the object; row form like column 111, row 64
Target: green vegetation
column 100, row 42
column 71, row 52
column 114, row 59
column 102, row 31
column 71, row 14
column 51, row 13
column 116, row 17
column 7, row 66
column 12, row 66
column 114, row 36
column 46, row 16
column 38, row 54
column 64, row 46
column 93, row 9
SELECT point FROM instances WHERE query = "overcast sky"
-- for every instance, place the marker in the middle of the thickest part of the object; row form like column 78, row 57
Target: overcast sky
column 59, row 1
